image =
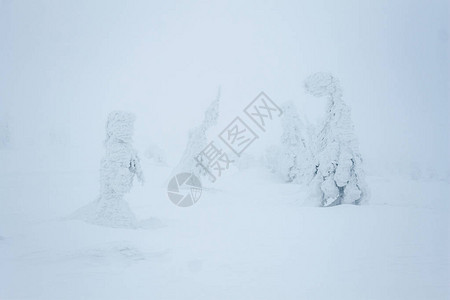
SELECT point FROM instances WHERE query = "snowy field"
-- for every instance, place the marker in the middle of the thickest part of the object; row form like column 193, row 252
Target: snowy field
column 251, row 241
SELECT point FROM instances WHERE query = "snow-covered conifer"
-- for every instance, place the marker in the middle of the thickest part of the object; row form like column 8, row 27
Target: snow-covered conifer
column 197, row 141
column 271, row 157
column 339, row 172
column 155, row 155
column 295, row 160
column 118, row 168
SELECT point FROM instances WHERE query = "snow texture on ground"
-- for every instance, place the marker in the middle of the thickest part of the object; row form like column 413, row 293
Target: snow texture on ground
column 249, row 237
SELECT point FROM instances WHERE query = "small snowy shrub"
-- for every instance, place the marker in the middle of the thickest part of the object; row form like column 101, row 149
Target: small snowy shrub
column 155, row 155
column 246, row 161
column 271, row 158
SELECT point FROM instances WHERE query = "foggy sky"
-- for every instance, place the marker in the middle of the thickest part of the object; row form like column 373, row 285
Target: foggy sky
column 65, row 64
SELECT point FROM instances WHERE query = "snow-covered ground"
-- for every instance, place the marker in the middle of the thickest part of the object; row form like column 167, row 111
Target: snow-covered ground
column 249, row 237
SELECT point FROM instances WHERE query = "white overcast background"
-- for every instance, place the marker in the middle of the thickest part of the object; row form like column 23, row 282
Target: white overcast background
column 65, row 64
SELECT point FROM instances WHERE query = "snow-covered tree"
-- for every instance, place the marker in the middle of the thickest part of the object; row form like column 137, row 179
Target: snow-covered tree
column 297, row 158
column 339, row 174
column 293, row 159
column 197, row 141
column 119, row 167
column 271, row 158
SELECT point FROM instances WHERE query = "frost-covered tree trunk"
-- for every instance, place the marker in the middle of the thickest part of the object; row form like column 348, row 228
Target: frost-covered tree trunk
column 339, row 175
column 294, row 161
column 118, row 168
column 198, row 140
